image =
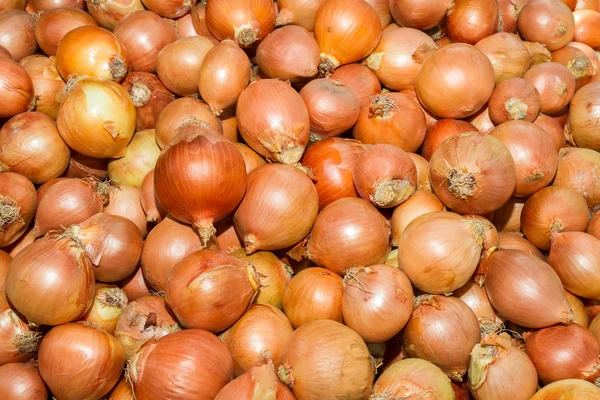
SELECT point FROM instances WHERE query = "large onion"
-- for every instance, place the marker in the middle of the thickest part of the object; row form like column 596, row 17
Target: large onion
column 18, row 203
column 508, row 55
column 584, row 112
column 579, row 169
column 21, row 381
column 246, row 22
column 549, row 22
column 17, row 33
column 16, row 89
column 53, row 25
column 555, row 84
column 260, row 382
column 470, row 21
column 140, row 157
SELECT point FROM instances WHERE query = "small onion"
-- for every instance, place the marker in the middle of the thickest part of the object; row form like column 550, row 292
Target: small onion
column 298, row 12
column 17, row 33
column 475, row 297
column 261, row 381
column 360, row 79
column 470, row 21
column 246, row 21
column 421, row 203
column 109, row 13
column 125, row 202
column 514, row 99
column 21, row 381
column 152, row 208
column 82, row 166
column 568, row 389
column 18, row 342
column 18, row 203
column 140, row 157
column 586, row 27
column 53, row 25
column 581, row 315
column 549, row 22
column 251, row 158
column 594, row 225
column 442, row 130
column 584, row 112
column 579, row 169
column 135, row 286
column 16, row 89
column 419, row 14
column 442, row 330
column 47, row 83
column 149, row 97
column 123, row 391
column 198, row 14
column 109, row 302
column 553, row 130
column 555, row 84
column 509, row 56
column 515, row 241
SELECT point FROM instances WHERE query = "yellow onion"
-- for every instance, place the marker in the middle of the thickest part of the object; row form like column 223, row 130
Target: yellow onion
column 555, row 84
column 140, row 157
column 549, row 22
column 170, row 8
column 21, row 381
column 244, row 21
column 581, row 315
column 152, row 208
column 583, row 112
column 260, row 382
column 568, row 389
column 109, row 303
column 47, row 83
column 578, row 169
column 125, row 202
column 16, row 89
column 298, row 12
column 109, row 12
column 475, row 297
column 507, row 53
column 251, row 158
column 53, row 25
column 421, row 203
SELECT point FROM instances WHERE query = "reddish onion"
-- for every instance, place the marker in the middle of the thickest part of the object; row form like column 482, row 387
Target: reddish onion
column 581, row 315
column 355, row 229
column 135, row 286
column 16, row 89
column 143, row 320
column 34, row 6
column 360, row 79
column 17, row 33
column 21, row 381
column 109, row 302
column 149, row 97
column 553, row 129
column 246, row 21
column 125, row 202
column 509, row 56
column 422, row 202
column 470, row 21
column 261, row 381
column 514, row 99
column 584, row 112
column 473, row 173
column 442, row 130
column 419, row 14
column 18, row 343
column 555, row 84
column 18, row 203
column 434, row 320
column 579, row 169
column 568, row 389
column 52, row 26
column 273, row 120
column 549, row 22
column 586, row 27
column 526, row 290
column 152, row 208
column 516, row 241
column 298, row 12
column 82, row 166
column 475, row 297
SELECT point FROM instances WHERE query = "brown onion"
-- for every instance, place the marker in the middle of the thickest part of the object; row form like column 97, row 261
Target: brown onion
column 568, row 389
column 34, row 6
column 21, row 381
column 360, row 79
column 17, row 33
column 18, row 203
column 475, row 297
column 422, row 202
column 442, row 130
column 273, row 120
column 510, row 10
column 18, row 342
column 135, row 286
column 581, row 315
column 52, row 26
column 470, row 21
column 298, row 12
column 16, row 89
column 12, row 4
column 140, row 157
column 516, row 241
column 246, row 21
column 109, row 302
column 152, row 208
column 549, row 22
column 508, row 54
column 355, row 229
column 555, row 84
column 473, row 173
column 553, row 129
column 261, row 381
column 583, row 115
column 82, row 166
column 526, row 290
column 579, row 169
column 47, row 83
column 251, row 158
column 419, row 14
column 594, row 225
column 125, row 202
column 149, row 97
column 143, row 320
column 436, row 319
column 550, row 211
column 123, row 391
column 199, row 367
column 514, row 99
column 586, row 27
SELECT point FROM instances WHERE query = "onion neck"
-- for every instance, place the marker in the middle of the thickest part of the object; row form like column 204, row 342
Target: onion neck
column 10, row 212
column 388, row 194
column 285, row 374
column 140, row 94
column 327, row 65
column 118, row 68
column 246, row 35
column 113, row 298
column 250, row 244
column 373, row 62
column 580, row 68
column 206, row 230
column 28, row 343
column 381, row 106
column 461, row 184
column 516, row 108
column 284, row 17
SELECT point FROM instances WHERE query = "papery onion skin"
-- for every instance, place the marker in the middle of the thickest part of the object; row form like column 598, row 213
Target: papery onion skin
column 298, row 12
column 419, row 14
column 360, row 79
column 246, row 22
column 152, row 208
column 442, row 130
column 308, row 372
column 584, row 112
column 422, row 202
column 21, row 381
column 358, row 232
column 261, row 333
column 273, row 120
column 18, row 342
column 140, row 157
column 259, row 382
column 125, row 202
column 553, row 129
column 549, row 22
column 149, row 97
column 434, row 321
column 586, row 27
column 508, row 55
column 47, row 83
column 475, row 297
column 526, row 290
column 123, row 391
column 581, row 315
column 16, row 89
column 579, row 169
column 568, row 389
column 470, row 21
column 135, row 286
column 555, row 84
column 109, row 302
column 17, row 33
column 514, row 99
column 52, row 26
column 515, row 241
column 109, row 13
column 465, row 192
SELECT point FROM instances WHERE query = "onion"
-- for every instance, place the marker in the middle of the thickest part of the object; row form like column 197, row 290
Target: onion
column 355, row 229
column 171, row 8
column 47, row 83
column 69, row 202
column 34, row 6
column 123, row 391
column 360, row 79
column 577, row 62
column 140, row 157
column 18, row 203
column 526, row 290
column 549, row 22
column 312, row 374
column 97, row 118
column 419, row 14
column 564, row 352
column 52, row 26
column 82, row 166
column 152, row 208
column 553, row 129
column 594, row 225
column 202, row 159
column 229, row 123
column 251, row 158
column 583, row 114
column 16, row 89
column 227, row 238
column 550, row 211
column 392, row 60
column 438, row 262
column 422, row 165
column 261, row 333
column 21, row 381
column 581, row 315
column 509, row 13
column 579, row 169
column 514, row 99
column 482, row 121
column 199, row 367
column 467, row 76
column 224, row 74
column 587, row 5
column 109, row 13
column 25, row 240
column 18, row 343
column 298, row 12
column 382, row 8
column 347, row 31
column 594, row 327
column 442, row 130
column 590, row 54
column 185, row 27
column 125, row 202
column 515, row 241
column 180, row 112
column 568, row 389
column 179, row 63
column 273, row 120
column 436, row 319
column 109, row 302
column 149, row 97
column 143, row 320
column 412, row 378
column 313, row 294
column 392, row 118
column 246, row 21
column 470, row 21
column 17, row 33
column 421, row 203
column 586, row 27
column 496, row 360
column 555, row 84
column 260, row 382
column 198, row 14
column 473, row 173
column 475, row 297
column 135, row 286
column 12, row 4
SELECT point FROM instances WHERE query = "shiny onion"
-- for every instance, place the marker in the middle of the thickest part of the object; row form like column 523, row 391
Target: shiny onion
column 356, row 232
column 475, row 297
column 575, row 256
column 179, row 112
column 34, row 6
column 149, row 97
column 553, row 129
column 185, row 27
column 473, row 173
column 377, row 302
column 152, row 208
column 312, row 294
column 82, row 166
column 109, row 12
column 578, row 63
column 278, row 209
column 199, row 367
column 419, row 14
column 109, row 303
column 273, row 120
column 586, row 29
column 564, row 352
column 385, row 175
column 47, row 83
column 438, row 262
column 125, row 202
column 392, row 60
column 170, row 8
column 198, row 14
column 260, row 382
column 423, row 182
column 135, row 286
column 391, row 118
column 347, row 31
column 140, row 157
column 412, row 377
column 211, row 290
column 224, row 74
column 246, row 22
column 52, row 26
column 470, row 21
column 516, row 241
column 382, row 8
column 251, row 158
column 583, row 114
column 555, row 84
column 123, row 391
column 17, row 33
column 331, row 162
column 18, row 342
column 594, row 225
column 51, row 282
column 549, row 22
column 178, row 64
column 260, row 334
column 496, row 360
column 202, row 159
column 144, row 34
column 21, row 381
column 509, row 13
column 311, row 373
column 332, row 107
column 69, row 202
column 442, row 330
column 568, row 389
column 298, row 12
column 550, row 211
column 289, row 53
column 360, row 79
column 508, row 55
column 579, row 169
column 97, row 118
column 80, row 361
column 442, row 130
column 526, row 290
column 18, row 203
column 581, row 314
column 41, row 192
column 16, row 89
column 482, row 121
column 143, row 320
column 514, row 99
column 421, row 203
